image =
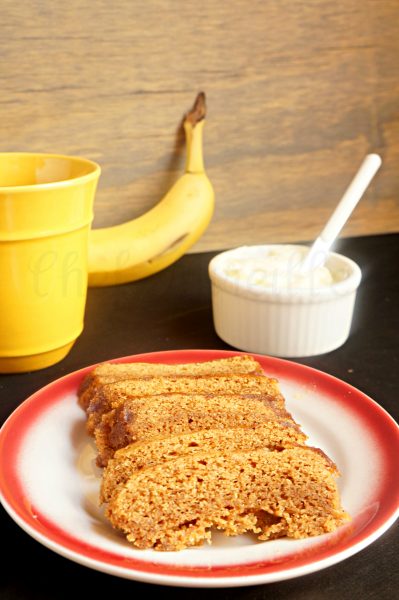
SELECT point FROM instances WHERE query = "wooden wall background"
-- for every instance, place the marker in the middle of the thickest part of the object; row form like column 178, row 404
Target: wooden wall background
column 298, row 92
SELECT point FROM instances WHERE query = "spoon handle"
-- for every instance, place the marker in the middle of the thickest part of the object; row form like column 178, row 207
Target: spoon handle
column 319, row 250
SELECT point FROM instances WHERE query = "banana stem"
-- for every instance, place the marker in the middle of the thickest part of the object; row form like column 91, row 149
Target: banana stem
column 193, row 127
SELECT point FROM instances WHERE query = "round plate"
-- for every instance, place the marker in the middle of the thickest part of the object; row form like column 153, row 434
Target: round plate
column 49, row 484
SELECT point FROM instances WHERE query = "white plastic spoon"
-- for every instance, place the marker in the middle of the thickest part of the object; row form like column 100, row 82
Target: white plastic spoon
column 318, row 253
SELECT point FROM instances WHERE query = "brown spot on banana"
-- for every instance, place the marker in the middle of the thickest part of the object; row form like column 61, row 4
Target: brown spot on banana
column 169, row 248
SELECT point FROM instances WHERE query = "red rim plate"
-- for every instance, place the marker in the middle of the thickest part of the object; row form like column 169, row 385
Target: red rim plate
column 353, row 539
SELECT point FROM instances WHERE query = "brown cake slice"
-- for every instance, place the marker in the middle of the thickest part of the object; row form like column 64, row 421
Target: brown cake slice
column 141, row 455
column 114, row 395
column 174, row 505
column 112, row 372
column 146, row 418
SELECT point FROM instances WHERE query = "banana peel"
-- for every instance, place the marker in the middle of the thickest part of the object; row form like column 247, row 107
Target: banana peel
column 153, row 241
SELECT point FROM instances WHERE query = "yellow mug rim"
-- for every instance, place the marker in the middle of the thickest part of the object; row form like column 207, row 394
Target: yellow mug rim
column 94, row 174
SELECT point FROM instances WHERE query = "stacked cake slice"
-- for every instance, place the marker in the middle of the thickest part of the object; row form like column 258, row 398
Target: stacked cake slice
column 191, row 447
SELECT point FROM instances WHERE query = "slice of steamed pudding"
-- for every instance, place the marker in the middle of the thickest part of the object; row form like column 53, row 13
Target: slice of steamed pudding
column 271, row 434
column 192, row 447
column 271, row 493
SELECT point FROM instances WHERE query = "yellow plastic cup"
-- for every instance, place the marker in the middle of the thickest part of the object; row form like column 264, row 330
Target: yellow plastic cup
column 46, row 210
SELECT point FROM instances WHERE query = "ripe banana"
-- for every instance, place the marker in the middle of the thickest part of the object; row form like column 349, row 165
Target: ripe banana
column 159, row 237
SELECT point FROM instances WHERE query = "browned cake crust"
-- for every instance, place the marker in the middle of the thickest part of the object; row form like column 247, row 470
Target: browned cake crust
column 112, row 372
column 114, row 395
column 141, row 455
column 202, row 445
column 145, row 418
column 174, row 505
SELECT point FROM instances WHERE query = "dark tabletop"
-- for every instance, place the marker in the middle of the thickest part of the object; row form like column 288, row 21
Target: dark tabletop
column 172, row 310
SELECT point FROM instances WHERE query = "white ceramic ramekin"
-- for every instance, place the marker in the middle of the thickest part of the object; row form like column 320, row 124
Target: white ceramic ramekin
column 283, row 322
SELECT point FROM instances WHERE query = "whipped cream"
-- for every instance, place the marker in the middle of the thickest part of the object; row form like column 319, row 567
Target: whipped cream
column 275, row 269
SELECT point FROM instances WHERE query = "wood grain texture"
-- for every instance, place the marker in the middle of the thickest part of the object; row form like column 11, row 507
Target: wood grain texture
column 298, row 92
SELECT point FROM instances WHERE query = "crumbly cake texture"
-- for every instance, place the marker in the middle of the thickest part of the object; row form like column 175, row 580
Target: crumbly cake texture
column 114, row 395
column 141, row 455
column 174, row 505
column 150, row 417
column 192, row 447
column 106, row 373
